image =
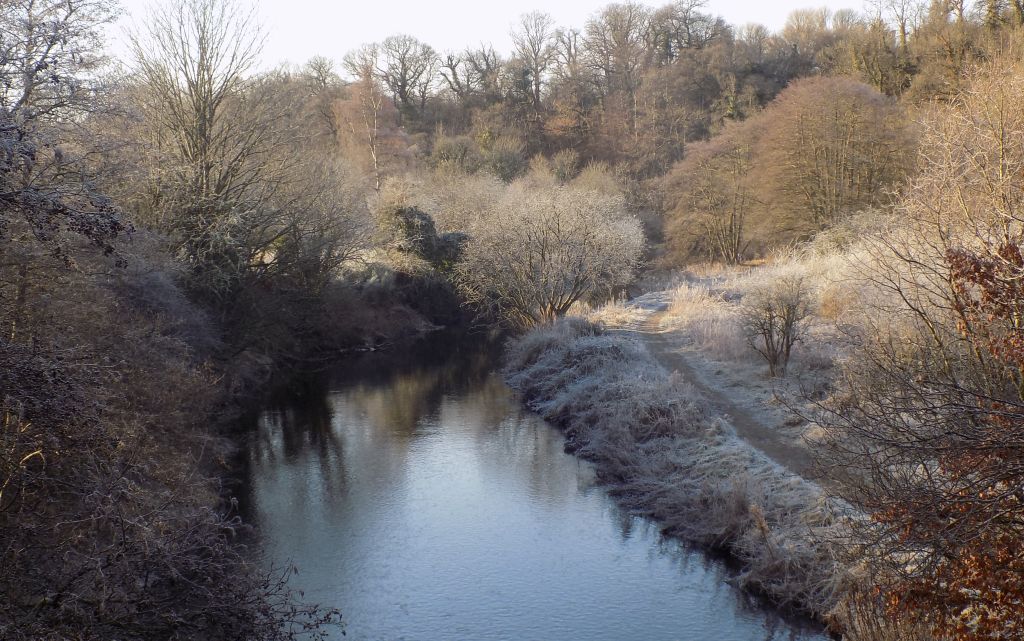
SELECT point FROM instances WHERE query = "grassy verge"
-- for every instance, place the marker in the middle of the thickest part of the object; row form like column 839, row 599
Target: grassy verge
column 651, row 437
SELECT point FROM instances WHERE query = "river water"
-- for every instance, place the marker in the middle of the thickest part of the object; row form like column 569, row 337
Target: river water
column 413, row 493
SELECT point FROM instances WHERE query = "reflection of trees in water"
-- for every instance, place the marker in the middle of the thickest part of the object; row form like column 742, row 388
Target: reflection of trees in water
column 398, row 390
column 459, row 359
column 298, row 434
column 352, row 415
column 481, row 409
column 535, row 452
column 360, row 421
column 398, row 408
column 778, row 624
column 290, row 432
column 284, row 434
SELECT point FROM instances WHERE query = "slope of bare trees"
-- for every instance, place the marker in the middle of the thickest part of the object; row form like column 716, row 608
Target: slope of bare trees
column 110, row 525
column 927, row 421
column 823, row 150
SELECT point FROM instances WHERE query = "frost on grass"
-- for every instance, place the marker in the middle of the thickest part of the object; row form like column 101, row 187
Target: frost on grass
column 707, row 309
column 616, row 313
column 652, row 438
column 710, row 321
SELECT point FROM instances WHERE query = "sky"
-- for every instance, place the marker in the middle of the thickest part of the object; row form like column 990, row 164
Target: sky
column 299, row 29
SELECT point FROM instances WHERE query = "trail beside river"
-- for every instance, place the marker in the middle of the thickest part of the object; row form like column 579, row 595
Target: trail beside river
column 767, row 427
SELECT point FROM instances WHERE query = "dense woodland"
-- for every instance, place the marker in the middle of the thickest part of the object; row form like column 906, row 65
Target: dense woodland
column 177, row 226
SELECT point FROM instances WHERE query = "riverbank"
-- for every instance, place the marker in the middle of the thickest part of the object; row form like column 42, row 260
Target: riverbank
column 119, row 402
column 114, row 387
column 654, row 439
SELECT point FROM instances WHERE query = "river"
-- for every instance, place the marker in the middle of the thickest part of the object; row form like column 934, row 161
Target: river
column 413, row 493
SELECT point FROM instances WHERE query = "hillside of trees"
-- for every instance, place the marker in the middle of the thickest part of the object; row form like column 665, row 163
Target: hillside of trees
column 177, row 227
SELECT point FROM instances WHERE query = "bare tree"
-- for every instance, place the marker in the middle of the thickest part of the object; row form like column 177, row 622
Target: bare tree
column 369, row 119
column 904, row 15
column 773, row 321
column 725, row 196
column 49, row 61
column 616, row 44
column 455, row 71
column 473, row 76
column 228, row 135
column 407, row 66
column 753, row 40
column 533, row 40
column 49, row 56
column 834, row 146
column 682, row 25
column 325, row 88
column 541, row 250
column 807, row 31
column 568, row 56
column 485, row 67
column 193, row 58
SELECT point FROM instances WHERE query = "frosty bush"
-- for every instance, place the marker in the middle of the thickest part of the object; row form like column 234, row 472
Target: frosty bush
column 546, row 249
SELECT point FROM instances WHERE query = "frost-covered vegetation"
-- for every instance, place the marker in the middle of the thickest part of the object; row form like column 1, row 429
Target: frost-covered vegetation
column 925, row 423
column 908, row 366
column 654, row 440
column 526, row 252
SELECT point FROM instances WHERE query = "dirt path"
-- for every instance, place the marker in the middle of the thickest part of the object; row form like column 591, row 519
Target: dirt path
column 761, row 429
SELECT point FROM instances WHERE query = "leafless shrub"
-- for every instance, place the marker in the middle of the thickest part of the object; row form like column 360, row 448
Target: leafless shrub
column 773, row 320
column 506, row 158
column 546, row 249
column 566, row 165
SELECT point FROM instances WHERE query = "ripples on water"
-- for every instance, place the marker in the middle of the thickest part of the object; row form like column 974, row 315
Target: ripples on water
column 414, row 494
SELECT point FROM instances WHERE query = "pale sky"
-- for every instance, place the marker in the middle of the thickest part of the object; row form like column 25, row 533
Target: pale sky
column 299, row 29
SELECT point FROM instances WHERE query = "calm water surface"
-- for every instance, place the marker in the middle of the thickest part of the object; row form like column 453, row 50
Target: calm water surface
column 415, row 495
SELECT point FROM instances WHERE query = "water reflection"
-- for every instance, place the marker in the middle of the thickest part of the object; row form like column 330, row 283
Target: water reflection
column 414, row 494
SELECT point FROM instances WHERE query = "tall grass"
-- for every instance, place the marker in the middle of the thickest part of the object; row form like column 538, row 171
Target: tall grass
column 709, row 321
column 615, row 313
